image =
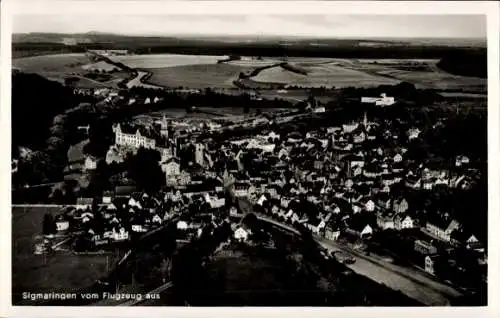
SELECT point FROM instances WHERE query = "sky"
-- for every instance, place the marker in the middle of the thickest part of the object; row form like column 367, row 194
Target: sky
column 335, row 26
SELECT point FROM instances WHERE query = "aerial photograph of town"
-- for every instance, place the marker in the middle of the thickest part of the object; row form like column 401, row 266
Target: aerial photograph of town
column 331, row 160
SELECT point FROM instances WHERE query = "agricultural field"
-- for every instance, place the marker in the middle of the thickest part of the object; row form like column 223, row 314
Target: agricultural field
column 149, row 61
column 254, row 63
column 52, row 66
column 39, row 273
column 197, row 76
column 327, row 75
column 422, row 73
column 75, row 69
column 437, row 80
column 201, row 71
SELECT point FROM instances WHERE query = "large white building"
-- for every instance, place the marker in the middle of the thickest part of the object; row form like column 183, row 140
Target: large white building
column 382, row 101
column 133, row 139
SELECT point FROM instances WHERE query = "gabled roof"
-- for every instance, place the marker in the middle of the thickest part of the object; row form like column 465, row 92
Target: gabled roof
column 173, row 159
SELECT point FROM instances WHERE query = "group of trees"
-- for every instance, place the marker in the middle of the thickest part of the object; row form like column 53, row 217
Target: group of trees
column 466, row 63
column 145, row 170
column 40, row 124
column 101, row 137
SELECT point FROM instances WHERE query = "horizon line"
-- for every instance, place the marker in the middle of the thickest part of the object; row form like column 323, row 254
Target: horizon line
column 252, row 35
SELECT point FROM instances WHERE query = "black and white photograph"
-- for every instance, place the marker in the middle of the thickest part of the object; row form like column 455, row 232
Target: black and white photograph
column 246, row 159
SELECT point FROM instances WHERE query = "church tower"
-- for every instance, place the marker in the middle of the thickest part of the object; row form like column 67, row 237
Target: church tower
column 164, row 127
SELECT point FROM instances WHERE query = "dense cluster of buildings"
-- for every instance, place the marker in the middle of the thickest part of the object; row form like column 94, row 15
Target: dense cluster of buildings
column 347, row 181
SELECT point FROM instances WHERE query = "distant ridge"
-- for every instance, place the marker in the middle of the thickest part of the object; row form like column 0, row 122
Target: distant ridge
column 97, row 36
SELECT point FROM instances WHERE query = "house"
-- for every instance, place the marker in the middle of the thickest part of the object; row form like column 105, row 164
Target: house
column 156, row 219
column 370, row 206
column 400, row 206
column 413, row 133
column 359, row 138
column 430, row 262
column 261, row 200
column 107, row 234
column 348, row 128
column 360, row 229
column 424, row 248
column 402, row 222
column 397, row 158
column 240, row 189
column 114, row 220
column 107, row 197
column 470, row 241
column 62, row 225
column 171, row 167
column 367, row 231
column 233, row 211
column 138, row 228
column 134, row 203
column 120, row 235
column 427, row 184
column 473, row 243
column 217, row 202
column 241, row 235
column 441, row 232
column 461, row 161
column 84, row 203
column 332, row 234
column 182, row 225
column 90, row 163
column 385, row 222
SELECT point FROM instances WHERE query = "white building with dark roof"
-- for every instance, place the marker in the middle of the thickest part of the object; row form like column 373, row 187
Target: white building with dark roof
column 129, row 137
column 382, row 101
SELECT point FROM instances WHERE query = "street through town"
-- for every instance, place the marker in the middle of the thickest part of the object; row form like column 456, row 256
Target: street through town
column 409, row 281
